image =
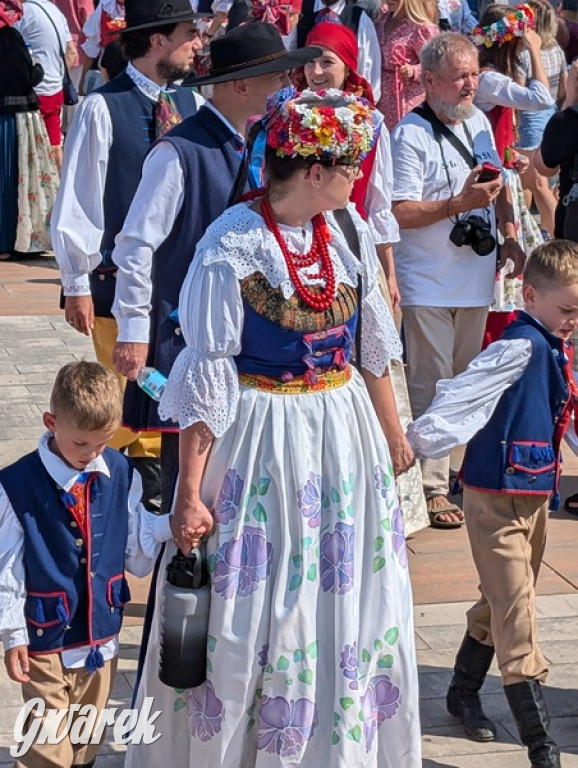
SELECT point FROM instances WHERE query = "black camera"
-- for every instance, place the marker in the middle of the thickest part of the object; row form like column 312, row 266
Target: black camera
column 476, row 233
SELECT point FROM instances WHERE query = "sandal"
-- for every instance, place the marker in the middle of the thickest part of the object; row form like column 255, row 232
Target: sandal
column 571, row 504
column 435, row 512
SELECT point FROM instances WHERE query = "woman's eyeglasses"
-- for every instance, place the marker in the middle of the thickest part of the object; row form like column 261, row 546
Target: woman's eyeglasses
column 351, row 171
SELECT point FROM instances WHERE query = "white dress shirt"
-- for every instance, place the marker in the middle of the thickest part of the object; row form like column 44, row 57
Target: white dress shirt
column 149, row 221
column 77, row 224
column 146, row 532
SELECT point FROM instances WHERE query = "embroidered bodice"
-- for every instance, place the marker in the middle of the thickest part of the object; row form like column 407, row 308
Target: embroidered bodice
column 239, row 312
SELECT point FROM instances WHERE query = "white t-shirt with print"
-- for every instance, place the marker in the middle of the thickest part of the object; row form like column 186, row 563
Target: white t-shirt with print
column 430, row 270
column 40, row 35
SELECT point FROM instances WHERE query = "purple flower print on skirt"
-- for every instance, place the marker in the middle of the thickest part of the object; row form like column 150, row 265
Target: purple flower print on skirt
column 264, row 655
column 285, row 726
column 229, row 497
column 382, row 480
column 205, row 711
column 309, row 500
column 348, row 664
column 379, row 703
column 398, row 535
column 241, row 564
column 336, row 561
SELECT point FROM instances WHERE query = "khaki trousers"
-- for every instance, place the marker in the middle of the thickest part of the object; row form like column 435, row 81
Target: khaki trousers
column 507, row 535
column 138, row 444
column 440, row 342
column 59, row 688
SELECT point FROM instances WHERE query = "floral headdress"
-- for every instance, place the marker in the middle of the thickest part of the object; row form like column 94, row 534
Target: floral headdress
column 331, row 125
column 506, row 29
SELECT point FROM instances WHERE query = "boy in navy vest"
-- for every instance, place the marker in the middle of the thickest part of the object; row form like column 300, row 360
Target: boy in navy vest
column 513, row 406
column 71, row 521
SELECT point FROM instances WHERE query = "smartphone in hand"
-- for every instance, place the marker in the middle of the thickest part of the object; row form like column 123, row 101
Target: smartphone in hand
column 489, row 172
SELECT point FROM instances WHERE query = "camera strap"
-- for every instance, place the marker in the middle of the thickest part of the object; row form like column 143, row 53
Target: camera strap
column 440, row 129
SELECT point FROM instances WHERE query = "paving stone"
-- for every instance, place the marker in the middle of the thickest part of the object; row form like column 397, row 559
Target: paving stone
column 446, row 613
column 554, row 606
column 450, row 740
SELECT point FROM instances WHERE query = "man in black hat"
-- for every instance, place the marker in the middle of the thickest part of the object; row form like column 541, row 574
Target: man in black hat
column 105, row 147
column 185, row 185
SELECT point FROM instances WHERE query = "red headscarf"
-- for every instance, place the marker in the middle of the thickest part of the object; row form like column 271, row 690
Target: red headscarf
column 343, row 42
column 10, row 12
column 277, row 12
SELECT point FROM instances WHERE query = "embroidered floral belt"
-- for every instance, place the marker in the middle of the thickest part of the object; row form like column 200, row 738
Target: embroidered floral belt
column 310, row 382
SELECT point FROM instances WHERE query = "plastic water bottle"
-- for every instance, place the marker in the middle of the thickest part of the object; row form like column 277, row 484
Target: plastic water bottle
column 185, row 621
column 152, row 382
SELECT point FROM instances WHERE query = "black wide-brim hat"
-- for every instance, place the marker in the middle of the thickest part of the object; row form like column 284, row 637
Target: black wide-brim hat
column 144, row 14
column 249, row 51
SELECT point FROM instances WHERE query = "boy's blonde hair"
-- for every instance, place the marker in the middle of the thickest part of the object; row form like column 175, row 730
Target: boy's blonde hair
column 88, row 395
column 552, row 265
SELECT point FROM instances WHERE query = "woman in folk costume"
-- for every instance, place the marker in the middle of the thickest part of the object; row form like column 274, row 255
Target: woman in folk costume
column 336, row 68
column 285, row 467
column 28, row 176
column 502, row 34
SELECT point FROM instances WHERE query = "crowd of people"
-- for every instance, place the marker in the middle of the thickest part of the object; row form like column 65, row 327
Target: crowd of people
column 252, row 200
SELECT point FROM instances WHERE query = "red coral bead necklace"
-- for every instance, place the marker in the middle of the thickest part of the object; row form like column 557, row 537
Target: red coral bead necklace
column 318, row 252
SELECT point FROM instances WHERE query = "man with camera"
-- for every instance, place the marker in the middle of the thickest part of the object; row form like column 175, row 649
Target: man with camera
column 448, row 193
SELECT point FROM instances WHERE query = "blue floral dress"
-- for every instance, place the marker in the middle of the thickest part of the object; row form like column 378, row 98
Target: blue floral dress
column 311, row 658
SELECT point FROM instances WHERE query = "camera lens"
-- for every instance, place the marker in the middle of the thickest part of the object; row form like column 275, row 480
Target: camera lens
column 484, row 245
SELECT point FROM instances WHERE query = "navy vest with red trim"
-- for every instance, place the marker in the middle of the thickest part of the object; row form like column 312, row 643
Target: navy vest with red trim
column 132, row 116
column 210, row 156
column 516, row 452
column 75, row 586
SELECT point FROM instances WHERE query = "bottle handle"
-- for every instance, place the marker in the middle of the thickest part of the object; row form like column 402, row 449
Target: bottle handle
column 195, row 557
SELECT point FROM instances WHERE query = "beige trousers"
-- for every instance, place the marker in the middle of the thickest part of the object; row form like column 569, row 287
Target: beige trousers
column 138, row 444
column 59, row 688
column 507, row 535
column 440, row 342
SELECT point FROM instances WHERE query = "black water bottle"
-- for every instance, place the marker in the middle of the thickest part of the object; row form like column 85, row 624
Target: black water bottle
column 185, row 621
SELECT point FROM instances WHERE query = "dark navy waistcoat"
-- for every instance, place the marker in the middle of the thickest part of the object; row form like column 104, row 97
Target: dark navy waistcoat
column 132, row 115
column 75, row 588
column 210, row 155
column 515, row 451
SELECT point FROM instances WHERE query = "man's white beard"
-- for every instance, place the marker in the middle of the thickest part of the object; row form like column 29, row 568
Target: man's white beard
column 451, row 112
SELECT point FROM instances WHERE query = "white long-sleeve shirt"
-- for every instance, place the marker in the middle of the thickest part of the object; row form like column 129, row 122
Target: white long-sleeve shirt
column 464, row 405
column 497, row 89
column 149, row 221
column 77, row 224
column 146, row 532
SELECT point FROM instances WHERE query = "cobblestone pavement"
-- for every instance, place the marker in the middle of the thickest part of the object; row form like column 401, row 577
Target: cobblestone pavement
column 31, row 351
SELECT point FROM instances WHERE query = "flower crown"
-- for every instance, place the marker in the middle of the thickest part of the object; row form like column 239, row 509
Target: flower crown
column 506, row 29
column 331, row 125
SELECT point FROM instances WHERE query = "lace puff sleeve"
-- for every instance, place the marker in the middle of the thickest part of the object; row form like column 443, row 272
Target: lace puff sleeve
column 203, row 383
column 380, row 342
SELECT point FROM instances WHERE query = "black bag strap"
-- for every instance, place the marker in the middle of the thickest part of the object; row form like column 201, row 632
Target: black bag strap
column 347, row 226
column 62, row 56
column 573, row 110
column 426, row 112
